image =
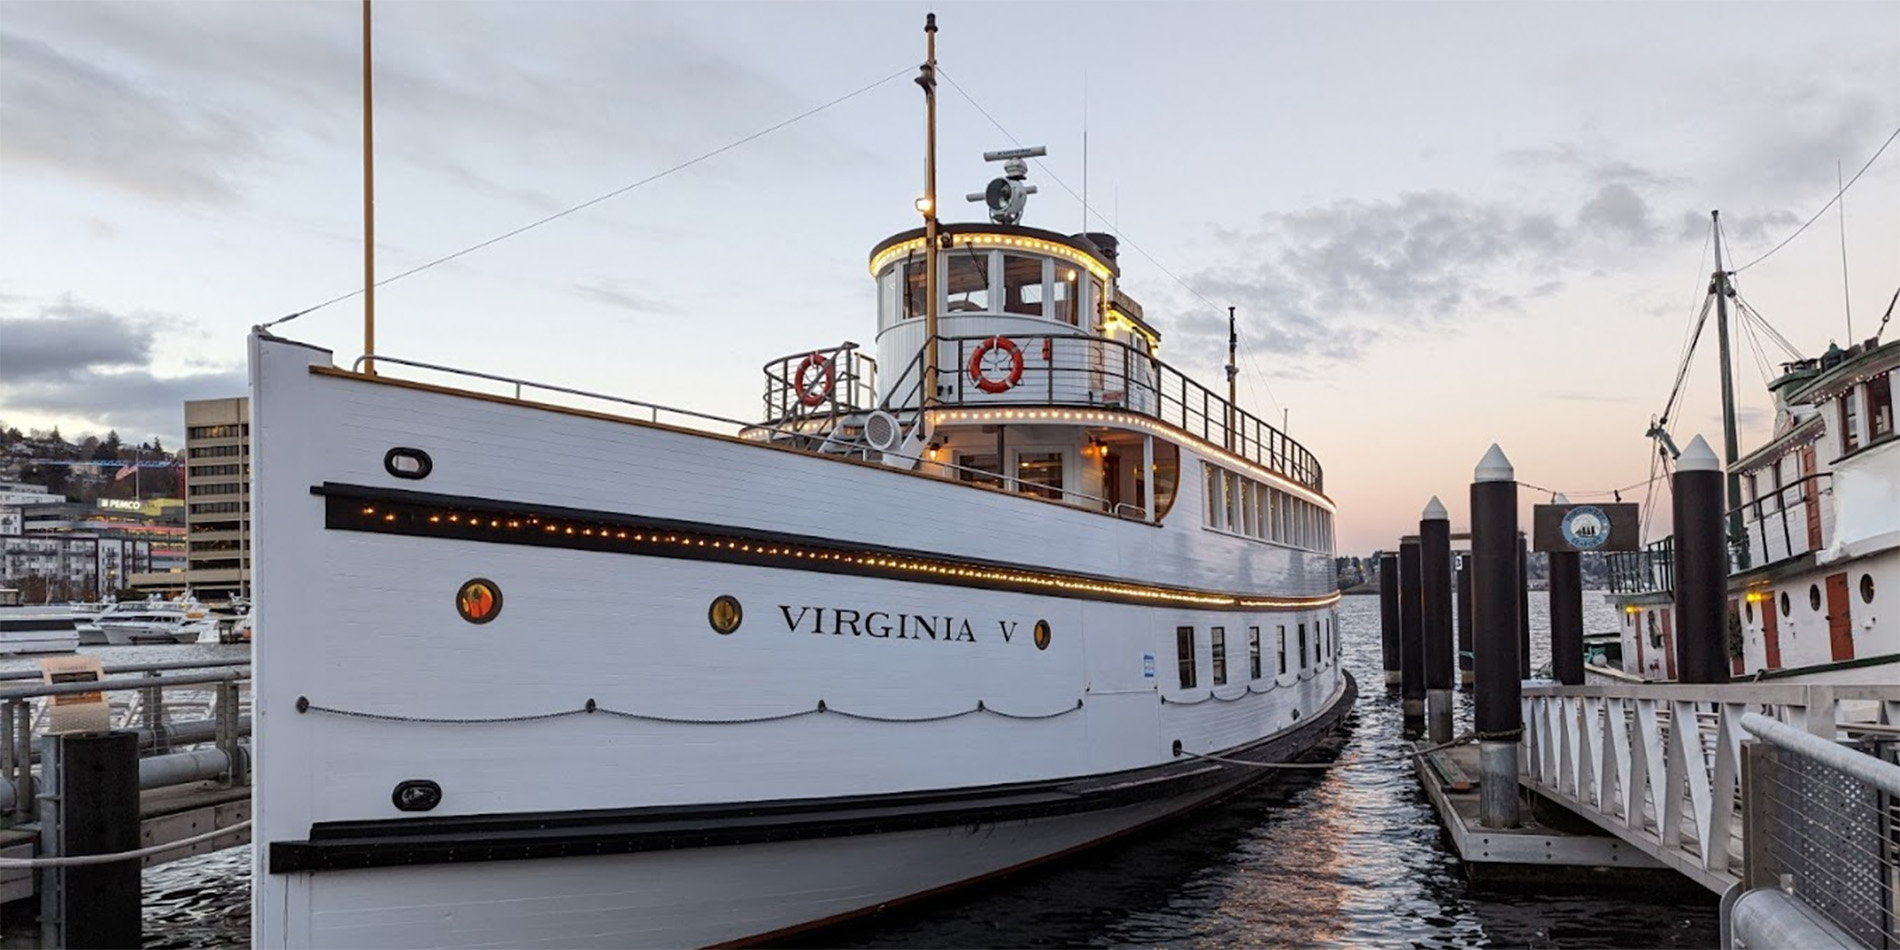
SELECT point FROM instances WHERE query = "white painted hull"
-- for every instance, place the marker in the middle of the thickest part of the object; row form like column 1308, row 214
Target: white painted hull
column 599, row 684
column 689, row 898
column 17, row 643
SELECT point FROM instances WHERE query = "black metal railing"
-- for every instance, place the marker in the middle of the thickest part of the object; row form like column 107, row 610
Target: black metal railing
column 1090, row 372
column 1650, row 570
column 826, row 382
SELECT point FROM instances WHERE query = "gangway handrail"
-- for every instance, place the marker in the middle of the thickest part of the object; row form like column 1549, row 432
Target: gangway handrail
column 1858, row 765
column 140, row 667
column 114, row 685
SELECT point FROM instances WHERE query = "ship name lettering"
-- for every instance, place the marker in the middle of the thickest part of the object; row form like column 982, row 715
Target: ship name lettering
column 878, row 624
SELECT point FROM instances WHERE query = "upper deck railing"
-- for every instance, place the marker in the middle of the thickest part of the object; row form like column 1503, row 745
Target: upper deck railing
column 1066, row 370
column 1774, row 529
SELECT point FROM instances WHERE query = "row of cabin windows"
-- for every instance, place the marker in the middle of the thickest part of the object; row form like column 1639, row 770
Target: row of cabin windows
column 1037, row 473
column 1878, row 392
column 976, row 281
column 1323, row 647
column 1241, row 505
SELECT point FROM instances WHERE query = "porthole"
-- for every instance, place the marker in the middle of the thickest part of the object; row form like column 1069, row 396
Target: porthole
column 1042, row 634
column 1866, row 588
column 478, row 601
column 416, row 794
column 725, row 614
column 1785, row 608
column 1748, row 610
column 1814, row 596
column 408, row 463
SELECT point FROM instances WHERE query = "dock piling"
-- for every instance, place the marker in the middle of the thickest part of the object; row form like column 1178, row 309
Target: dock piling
column 1523, row 607
column 1434, row 535
column 1464, row 622
column 1497, row 598
column 1701, row 556
column 93, row 809
column 1411, row 639
column 1389, row 616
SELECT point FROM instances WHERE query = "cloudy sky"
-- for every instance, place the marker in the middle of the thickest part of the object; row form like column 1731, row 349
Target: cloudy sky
column 1444, row 225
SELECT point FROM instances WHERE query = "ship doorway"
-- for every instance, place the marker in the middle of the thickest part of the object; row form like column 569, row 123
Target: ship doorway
column 1840, row 626
column 1771, row 633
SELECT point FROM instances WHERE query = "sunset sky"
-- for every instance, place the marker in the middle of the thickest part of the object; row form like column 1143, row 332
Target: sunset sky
column 1443, row 225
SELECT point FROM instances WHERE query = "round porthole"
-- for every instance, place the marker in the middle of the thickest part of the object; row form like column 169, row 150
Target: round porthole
column 479, row 600
column 1866, row 588
column 1785, row 608
column 1042, row 634
column 405, row 462
column 1814, row 597
column 725, row 614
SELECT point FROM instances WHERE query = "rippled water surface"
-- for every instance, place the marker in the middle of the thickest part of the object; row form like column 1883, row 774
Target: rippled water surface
column 1347, row 857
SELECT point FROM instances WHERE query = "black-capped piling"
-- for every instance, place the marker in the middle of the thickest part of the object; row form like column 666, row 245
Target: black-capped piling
column 1411, row 638
column 1701, row 562
column 1389, row 616
column 1434, row 558
column 93, row 809
column 1496, row 595
column 1464, row 622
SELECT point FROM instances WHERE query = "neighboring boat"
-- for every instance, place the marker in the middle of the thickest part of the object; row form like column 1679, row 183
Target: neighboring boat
column 29, row 630
column 1814, row 567
column 86, row 622
column 155, row 621
column 557, row 676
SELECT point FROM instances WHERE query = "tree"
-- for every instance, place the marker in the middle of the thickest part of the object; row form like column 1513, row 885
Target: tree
column 108, row 450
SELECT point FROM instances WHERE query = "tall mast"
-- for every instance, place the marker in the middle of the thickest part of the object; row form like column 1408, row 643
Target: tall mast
column 1233, row 372
column 1729, row 448
column 927, row 78
column 369, row 209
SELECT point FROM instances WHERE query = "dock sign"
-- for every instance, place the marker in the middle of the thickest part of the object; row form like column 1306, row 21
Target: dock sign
column 1585, row 527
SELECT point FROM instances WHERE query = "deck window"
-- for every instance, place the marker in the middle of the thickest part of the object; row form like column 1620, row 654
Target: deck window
column 1217, row 640
column 1184, row 655
column 1880, row 407
column 1850, row 422
column 1253, row 652
column 967, row 289
column 1283, row 649
column 979, row 469
column 914, row 296
column 1063, row 298
column 1302, row 646
column 1022, row 285
column 1039, row 473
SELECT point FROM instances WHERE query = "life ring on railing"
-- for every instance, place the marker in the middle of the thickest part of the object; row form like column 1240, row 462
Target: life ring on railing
column 810, row 392
column 977, row 358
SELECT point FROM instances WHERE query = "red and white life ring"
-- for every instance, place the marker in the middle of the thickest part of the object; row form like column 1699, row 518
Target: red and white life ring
column 810, row 392
column 982, row 359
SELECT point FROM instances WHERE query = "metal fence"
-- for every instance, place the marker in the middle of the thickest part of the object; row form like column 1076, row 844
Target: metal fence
column 1823, row 825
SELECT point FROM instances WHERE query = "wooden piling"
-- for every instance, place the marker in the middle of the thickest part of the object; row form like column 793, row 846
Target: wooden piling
column 94, row 809
column 1496, row 595
column 1701, row 556
column 1389, row 615
column 1434, row 535
column 1411, row 639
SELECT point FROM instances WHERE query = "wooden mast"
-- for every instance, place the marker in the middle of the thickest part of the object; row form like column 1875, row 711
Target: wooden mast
column 927, row 78
column 369, row 210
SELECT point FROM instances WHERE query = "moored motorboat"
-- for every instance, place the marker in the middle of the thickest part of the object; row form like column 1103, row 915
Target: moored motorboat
column 154, row 622
column 1028, row 590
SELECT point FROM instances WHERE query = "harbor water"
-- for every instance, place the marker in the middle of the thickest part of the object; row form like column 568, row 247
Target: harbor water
column 1346, row 857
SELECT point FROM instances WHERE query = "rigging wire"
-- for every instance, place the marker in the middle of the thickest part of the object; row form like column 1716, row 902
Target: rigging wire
column 1830, row 203
column 656, row 176
column 1768, row 328
column 1682, row 368
column 1122, row 235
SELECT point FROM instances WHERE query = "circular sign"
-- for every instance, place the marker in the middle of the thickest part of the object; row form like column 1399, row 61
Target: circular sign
column 479, row 601
column 1586, row 527
column 725, row 614
column 1042, row 634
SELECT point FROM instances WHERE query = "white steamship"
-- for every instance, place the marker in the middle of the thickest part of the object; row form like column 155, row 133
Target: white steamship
column 977, row 601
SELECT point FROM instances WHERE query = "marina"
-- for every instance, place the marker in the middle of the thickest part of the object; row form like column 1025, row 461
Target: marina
column 1006, row 603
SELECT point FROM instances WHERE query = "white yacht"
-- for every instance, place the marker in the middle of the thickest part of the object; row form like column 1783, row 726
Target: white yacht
column 1008, row 588
column 155, row 621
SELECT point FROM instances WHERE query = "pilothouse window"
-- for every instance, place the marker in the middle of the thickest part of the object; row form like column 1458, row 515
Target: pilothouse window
column 1040, row 473
column 1063, row 299
column 914, row 296
column 968, row 288
column 1022, row 285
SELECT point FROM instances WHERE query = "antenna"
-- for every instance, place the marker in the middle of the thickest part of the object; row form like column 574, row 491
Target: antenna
column 1840, row 198
column 1085, row 153
column 1007, row 195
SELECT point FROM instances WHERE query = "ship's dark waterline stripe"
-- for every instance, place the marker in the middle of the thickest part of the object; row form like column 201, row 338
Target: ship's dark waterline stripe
column 404, row 842
column 463, row 518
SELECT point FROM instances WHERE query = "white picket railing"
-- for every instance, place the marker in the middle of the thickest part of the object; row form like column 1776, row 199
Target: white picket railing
column 1615, row 754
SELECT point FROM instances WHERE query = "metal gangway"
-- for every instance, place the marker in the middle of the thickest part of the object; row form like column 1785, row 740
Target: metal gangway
column 1783, row 798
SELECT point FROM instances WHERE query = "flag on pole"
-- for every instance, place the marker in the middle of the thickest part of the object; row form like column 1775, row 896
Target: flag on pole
column 130, row 469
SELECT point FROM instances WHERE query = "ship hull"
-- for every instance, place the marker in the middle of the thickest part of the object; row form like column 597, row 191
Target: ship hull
column 592, row 682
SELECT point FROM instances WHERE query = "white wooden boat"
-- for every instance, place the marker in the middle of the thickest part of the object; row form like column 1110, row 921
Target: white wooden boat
column 891, row 639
